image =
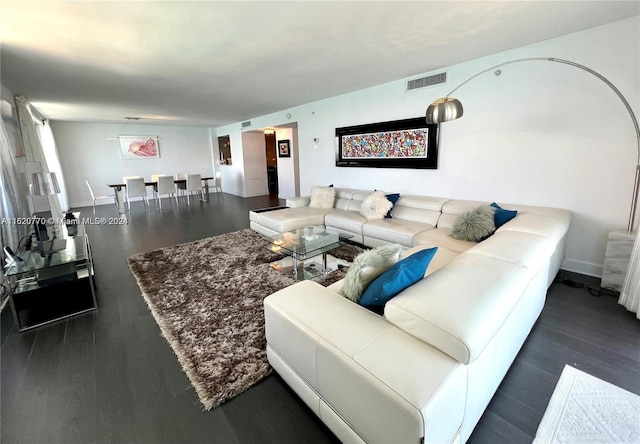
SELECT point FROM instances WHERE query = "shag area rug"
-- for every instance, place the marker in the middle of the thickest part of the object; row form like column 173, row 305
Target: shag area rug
column 585, row 409
column 206, row 296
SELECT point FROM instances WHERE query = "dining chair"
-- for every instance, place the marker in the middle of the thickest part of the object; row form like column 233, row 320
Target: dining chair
column 154, row 178
column 194, row 183
column 217, row 183
column 165, row 185
column 136, row 188
column 181, row 187
column 95, row 197
column 124, row 180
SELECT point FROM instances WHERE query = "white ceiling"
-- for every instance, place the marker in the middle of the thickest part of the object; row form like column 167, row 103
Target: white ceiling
column 209, row 63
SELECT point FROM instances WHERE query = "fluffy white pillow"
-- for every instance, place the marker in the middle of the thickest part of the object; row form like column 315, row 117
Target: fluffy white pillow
column 322, row 197
column 375, row 206
column 367, row 266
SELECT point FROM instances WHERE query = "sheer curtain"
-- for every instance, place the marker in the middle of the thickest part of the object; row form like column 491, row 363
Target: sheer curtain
column 50, row 151
column 630, row 294
column 46, row 153
column 13, row 193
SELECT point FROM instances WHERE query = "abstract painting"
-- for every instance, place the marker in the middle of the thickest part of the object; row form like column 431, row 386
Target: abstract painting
column 388, row 144
column 408, row 143
column 139, row 147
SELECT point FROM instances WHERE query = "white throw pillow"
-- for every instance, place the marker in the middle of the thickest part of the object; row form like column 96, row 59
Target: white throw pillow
column 367, row 266
column 322, row 197
column 375, row 206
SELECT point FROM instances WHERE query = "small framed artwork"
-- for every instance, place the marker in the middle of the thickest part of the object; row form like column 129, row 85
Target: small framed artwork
column 139, row 147
column 284, row 148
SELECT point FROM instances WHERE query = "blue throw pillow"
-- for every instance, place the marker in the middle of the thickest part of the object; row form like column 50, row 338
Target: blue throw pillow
column 393, row 198
column 401, row 275
column 502, row 216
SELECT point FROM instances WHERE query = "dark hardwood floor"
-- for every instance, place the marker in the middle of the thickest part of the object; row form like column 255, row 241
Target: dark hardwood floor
column 109, row 376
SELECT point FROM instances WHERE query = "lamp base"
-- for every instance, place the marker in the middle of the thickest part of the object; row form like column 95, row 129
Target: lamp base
column 616, row 261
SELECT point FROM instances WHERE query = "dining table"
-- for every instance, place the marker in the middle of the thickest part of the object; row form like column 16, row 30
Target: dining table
column 118, row 188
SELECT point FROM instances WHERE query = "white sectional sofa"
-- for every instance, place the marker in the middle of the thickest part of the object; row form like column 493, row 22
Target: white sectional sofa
column 425, row 370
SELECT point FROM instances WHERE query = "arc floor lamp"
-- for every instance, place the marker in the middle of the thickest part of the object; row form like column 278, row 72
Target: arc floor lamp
column 449, row 108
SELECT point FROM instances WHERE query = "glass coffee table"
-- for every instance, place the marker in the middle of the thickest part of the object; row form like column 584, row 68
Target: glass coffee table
column 303, row 244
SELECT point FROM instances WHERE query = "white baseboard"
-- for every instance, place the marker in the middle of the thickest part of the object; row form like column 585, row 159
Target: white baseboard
column 582, row 267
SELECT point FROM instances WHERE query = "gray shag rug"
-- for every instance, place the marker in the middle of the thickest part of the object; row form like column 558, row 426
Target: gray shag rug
column 206, row 297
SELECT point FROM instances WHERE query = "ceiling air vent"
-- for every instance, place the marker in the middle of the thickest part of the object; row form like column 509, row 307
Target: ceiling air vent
column 246, row 124
column 423, row 82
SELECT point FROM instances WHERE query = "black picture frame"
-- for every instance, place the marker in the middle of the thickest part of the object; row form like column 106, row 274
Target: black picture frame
column 427, row 134
column 284, row 148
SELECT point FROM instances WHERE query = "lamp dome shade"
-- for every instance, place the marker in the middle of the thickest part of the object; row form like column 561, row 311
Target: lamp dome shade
column 444, row 109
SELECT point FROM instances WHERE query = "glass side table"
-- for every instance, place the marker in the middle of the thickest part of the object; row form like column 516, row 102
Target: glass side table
column 49, row 286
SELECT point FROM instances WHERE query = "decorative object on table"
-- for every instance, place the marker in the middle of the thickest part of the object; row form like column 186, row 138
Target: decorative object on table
column 71, row 222
column 206, row 297
column 408, row 143
column 449, row 108
column 139, row 147
column 46, row 184
column 585, row 409
column 284, row 148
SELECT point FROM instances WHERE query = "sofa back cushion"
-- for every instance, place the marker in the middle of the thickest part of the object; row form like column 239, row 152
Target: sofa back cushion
column 350, row 199
column 454, row 208
column 425, row 209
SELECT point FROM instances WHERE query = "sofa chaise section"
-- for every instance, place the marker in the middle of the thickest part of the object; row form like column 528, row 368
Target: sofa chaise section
column 367, row 379
column 287, row 219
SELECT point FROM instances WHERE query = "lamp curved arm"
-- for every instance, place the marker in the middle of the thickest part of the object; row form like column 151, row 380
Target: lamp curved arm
column 443, row 102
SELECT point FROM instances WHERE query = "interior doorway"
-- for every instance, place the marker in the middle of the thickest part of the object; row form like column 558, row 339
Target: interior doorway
column 272, row 162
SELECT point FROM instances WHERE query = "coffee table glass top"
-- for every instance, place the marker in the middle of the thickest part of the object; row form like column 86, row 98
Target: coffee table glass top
column 307, row 242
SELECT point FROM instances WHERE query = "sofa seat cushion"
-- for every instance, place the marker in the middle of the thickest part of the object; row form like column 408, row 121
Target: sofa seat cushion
column 441, row 238
column 289, row 219
column 351, row 221
column 327, row 338
column 442, row 257
column 397, row 231
column 460, row 308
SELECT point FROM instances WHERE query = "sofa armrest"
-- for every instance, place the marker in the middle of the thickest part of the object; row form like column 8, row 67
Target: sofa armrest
column 302, row 201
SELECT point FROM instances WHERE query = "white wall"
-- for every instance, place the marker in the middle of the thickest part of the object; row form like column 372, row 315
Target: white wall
column 86, row 154
column 255, row 164
column 233, row 176
column 286, row 165
column 542, row 133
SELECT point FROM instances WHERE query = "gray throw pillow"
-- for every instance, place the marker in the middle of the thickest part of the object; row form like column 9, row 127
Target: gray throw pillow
column 367, row 266
column 474, row 225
